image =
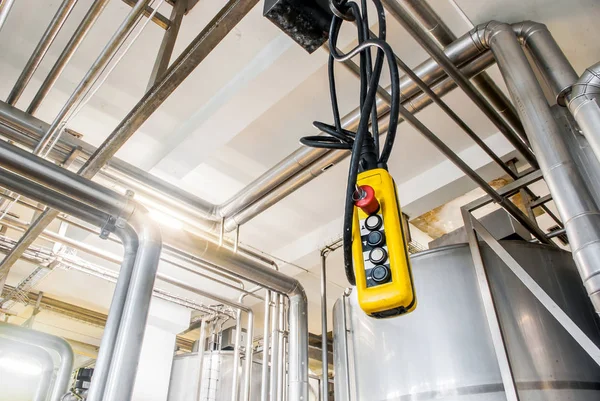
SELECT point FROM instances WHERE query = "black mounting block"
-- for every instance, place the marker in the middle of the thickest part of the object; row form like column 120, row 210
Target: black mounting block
column 305, row 21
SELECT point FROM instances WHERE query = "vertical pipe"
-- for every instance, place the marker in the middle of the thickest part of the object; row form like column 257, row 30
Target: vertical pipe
column 324, row 362
column 41, row 49
column 115, row 313
column 235, row 386
column 274, row 347
column 264, row 390
column 5, row 6
column 281, row 351
column 573, row 199
column 249, row 355
column 82, row 30
column 201, row 346
column 123, row 369
column 583, row 104
column 298, row 340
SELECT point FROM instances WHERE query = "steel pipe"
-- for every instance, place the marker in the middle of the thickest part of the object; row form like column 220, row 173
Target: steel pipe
column 274, row 347
column 5, row 7
column 324, row 359
column 115, row 314
column 80, row 33
column 575, row 203
column 583, row 104
column 48, row 342
column 312, row 170
column 201, row 349
column 402, row 16
column 438, row 30
column 264, row 389
column 41, row 49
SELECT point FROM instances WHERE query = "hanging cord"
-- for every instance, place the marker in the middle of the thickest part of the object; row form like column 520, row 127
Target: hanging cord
column 363, row 145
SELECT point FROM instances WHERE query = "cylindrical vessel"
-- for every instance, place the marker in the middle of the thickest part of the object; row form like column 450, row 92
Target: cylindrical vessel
column 443, row 350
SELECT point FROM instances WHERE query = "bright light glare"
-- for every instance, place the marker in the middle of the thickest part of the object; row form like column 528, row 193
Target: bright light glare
column 165, row 219
column 20, row 366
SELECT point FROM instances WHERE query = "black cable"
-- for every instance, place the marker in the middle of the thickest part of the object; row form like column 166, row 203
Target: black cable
column 364, row 146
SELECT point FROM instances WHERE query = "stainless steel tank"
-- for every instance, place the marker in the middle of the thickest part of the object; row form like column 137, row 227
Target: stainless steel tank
column 217, row 378
column 443, row 350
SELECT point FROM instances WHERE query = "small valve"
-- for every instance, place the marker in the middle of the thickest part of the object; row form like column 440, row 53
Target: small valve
column 366, row 200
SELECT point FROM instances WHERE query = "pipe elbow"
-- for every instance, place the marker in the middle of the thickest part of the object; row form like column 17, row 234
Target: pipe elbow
column 525, row 29
column 482, row 34
column 586, row 89
column 298, row 293
column 147, row 230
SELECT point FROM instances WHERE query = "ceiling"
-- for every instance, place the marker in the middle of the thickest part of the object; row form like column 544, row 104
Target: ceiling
column 245, row 108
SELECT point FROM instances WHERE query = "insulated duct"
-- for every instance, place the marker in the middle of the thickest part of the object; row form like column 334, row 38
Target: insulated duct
column 583, row 104
column 575, row 203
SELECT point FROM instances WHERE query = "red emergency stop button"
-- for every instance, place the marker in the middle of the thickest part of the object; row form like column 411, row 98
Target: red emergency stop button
column 366, row 200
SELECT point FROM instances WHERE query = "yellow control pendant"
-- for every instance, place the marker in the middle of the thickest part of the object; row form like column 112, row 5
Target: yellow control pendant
column 381, row 264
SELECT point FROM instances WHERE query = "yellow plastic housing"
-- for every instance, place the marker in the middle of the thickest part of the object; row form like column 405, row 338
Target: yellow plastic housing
column 397, row 296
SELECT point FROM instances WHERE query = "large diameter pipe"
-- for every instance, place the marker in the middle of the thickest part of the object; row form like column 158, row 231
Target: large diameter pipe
column 123, row 367
column 324, row 358
column 406, row 20
column 573, row 199
column 80, row 33
column 318, row 167
column 41, row 49
column 115, row 314
column 436, row 27
column 48, row 342
column 583, row 104
column 556, row 70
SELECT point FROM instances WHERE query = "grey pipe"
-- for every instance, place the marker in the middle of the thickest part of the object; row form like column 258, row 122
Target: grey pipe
column 324, row 359
column 274, row 348
column 436, row 27
column 115, row 314
column 264, row 390
column 123, row 367
column 41, row 356
column 413, row 28
column 311, row 171
column 5, row 7
column 282, row 353
column 575, row 204
column 583, row 104
column 70, row 49
column 201, row 349
column 41, row 49
column 49, row 342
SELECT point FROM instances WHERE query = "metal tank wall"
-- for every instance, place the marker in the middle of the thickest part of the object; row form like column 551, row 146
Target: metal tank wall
column 443, row 350
column 217, row 378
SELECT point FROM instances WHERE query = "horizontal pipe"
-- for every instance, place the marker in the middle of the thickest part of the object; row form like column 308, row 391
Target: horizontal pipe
column 315, row 169
column 429, row 71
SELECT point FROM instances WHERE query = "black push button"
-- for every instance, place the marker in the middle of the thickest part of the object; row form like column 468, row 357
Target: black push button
column 379, row 274
column 373, row 222
column 378, row 256
column 375, row 238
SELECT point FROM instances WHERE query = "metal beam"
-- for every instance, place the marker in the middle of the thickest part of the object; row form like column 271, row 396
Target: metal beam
column 157, row 18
